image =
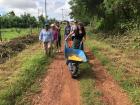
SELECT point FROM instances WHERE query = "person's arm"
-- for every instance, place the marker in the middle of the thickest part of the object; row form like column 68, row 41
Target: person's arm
column 57, row 34
column 68, row 35
column 71, row 33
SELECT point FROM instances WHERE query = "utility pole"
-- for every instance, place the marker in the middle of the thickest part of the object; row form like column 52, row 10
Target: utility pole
column 38, row 12
column 45, row 9
column 0, row 29
column 38, row 20
column 62, row 14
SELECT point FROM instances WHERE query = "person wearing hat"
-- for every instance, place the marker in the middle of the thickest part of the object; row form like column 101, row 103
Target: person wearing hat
column 74, row 31
column 57, row 25
column 77, row 34
column 46, row 37
column 55, row 36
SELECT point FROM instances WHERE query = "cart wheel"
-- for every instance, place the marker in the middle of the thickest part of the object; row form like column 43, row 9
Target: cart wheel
column 74, row 72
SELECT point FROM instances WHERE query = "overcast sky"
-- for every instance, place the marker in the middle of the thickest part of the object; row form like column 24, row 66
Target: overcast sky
column 54, row 7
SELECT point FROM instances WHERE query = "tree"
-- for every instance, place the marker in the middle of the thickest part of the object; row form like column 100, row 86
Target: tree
column 41, row 20
column 107, row 14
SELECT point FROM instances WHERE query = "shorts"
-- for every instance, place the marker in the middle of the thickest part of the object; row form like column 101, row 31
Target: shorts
column 47, row 45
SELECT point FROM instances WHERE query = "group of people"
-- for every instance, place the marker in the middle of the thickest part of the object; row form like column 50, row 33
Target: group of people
column 74, row 34
column 50, row 36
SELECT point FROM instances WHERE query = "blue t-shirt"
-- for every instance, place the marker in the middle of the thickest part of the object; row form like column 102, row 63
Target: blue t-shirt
column 45, row 36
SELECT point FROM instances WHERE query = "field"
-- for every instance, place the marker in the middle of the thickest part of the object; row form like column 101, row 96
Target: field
column 29, row 75
column 11, row 33
column 110, row 77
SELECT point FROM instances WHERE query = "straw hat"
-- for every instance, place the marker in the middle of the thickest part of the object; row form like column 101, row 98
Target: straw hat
column 52, row 25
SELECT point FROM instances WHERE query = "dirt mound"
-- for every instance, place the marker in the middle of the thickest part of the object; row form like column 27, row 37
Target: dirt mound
column 11, row 48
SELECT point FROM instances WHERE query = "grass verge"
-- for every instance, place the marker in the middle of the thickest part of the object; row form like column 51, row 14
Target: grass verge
column 11, row 33
column 90, row 95
column 31, row 70
column 127, row 80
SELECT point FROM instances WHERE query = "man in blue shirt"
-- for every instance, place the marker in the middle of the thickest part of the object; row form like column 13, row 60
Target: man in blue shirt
column 46, row 37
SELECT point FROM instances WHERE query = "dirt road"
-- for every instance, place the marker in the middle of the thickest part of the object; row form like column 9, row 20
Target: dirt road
column 112, row 93
column 58, row 88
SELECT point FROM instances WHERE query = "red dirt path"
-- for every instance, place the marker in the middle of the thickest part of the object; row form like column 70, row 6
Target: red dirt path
column 112, row 93
column 58, row 88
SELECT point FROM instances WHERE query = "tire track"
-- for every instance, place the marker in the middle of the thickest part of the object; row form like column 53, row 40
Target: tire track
column 58, row 88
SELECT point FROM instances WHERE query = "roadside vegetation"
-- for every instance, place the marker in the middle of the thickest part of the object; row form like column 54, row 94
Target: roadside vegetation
column 90, row 95
column 121, row 58
column 20, row 73
column 117, row 39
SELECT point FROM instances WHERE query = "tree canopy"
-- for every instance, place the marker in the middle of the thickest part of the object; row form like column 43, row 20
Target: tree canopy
column 107, row 14
column 26, row 20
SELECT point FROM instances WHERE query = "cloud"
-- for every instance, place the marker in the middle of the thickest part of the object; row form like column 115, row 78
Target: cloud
column 31, row 6
column 51, row 4
column 66, row 10
column 22, row 4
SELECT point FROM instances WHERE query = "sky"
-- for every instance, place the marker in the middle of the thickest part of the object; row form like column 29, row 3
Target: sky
column 35, row 7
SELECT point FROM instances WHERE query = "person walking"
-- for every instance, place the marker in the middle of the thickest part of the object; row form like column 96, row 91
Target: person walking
column 46, row 37
column 80, row 36
column 57, row 24
column 78, row 33
column 67, row 31
column 55, row 37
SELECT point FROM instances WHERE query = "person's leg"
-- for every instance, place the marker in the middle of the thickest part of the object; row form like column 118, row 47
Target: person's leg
column 76, row 44
column 55, row 46
column 49, row 48
column 59, row 42
column 46, row 47
column 81, row 45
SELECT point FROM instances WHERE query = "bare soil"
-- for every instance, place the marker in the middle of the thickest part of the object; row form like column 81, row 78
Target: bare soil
column 58, row 88
column 112, row 93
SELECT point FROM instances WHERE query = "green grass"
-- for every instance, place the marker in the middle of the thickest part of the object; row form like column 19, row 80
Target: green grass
column 9, row 34
column 90, row 95
column 30, row 70
column 127, row 80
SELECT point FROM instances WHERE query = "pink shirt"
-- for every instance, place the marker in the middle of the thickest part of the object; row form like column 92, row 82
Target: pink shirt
column 55, row 35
